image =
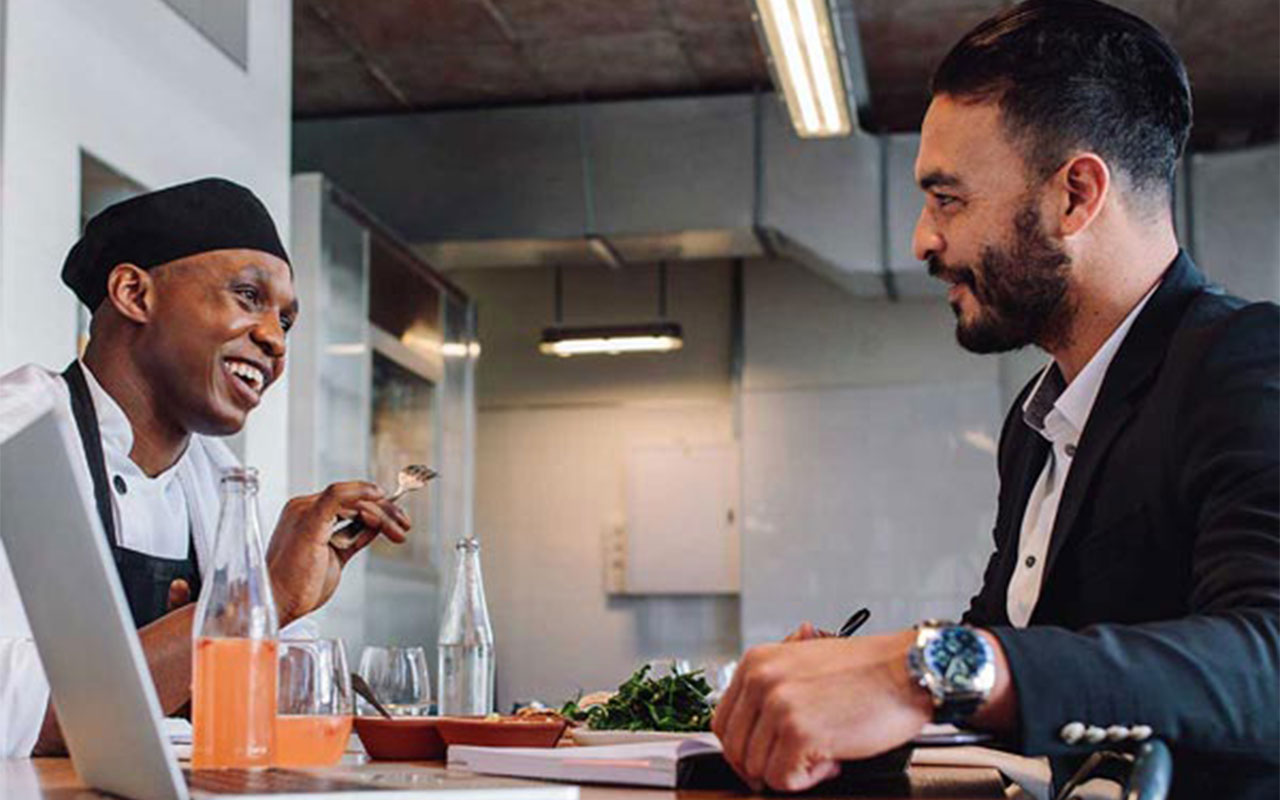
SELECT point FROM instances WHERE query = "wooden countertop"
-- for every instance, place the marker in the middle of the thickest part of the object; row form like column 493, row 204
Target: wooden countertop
column 56, row 779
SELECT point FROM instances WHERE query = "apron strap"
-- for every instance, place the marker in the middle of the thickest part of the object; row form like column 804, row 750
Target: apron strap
column 91, row 437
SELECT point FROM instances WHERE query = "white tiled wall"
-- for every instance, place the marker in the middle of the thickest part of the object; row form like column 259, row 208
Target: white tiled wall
column 865, row 496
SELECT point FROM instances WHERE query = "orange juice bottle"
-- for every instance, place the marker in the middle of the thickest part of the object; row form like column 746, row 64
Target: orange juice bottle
column 233, row 696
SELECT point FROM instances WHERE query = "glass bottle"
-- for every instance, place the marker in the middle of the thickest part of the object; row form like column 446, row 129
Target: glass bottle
column 465, row 648
column 233, row 696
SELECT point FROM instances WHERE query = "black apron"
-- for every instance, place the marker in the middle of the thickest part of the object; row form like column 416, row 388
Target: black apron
column 145, row 578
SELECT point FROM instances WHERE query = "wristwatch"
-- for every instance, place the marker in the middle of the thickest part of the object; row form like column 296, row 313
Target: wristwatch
column 955, row 666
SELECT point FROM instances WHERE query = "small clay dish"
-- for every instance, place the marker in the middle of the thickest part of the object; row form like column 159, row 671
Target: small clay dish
column 501, row 732
column 401, row 738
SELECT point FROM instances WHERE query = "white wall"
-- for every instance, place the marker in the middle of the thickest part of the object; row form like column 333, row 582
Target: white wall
column 134, row 84
column 1235, row 200
column 553, row 435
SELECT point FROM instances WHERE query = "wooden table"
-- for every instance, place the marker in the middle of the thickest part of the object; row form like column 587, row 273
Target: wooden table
column 56, row 779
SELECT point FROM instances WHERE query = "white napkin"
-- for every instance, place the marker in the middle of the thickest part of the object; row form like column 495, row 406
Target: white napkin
column 178, row 731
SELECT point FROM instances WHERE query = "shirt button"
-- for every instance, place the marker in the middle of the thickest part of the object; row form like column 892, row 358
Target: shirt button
column 1030, row 562
column 119, row 483
column 1070, row 450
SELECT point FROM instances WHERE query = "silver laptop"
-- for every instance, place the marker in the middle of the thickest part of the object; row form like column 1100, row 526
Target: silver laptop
column 106, row 702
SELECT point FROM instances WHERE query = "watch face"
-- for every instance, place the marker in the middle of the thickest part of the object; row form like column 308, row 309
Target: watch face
column 957, row 655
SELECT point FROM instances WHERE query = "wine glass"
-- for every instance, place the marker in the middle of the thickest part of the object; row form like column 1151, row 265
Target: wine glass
column 399, row 679
column 313, row 703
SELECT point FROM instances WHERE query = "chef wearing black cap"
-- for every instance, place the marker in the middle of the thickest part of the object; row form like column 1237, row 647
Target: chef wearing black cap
column 192, row 299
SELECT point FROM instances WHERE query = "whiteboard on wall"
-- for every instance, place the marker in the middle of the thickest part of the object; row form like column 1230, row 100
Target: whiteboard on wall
column 681, row 531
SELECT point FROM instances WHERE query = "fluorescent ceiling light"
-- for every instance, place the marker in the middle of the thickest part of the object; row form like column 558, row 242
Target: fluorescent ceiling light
column 806, row 64
column 658, row 337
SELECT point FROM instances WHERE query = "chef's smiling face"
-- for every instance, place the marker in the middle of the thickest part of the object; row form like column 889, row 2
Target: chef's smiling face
column 215, row 338
column 981, row 230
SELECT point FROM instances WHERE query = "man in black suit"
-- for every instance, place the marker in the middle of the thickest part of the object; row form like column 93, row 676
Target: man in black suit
column 1134, row 591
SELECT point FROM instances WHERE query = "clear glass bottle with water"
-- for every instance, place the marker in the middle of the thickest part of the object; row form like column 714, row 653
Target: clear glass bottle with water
column 466, row 641
column 235, row 632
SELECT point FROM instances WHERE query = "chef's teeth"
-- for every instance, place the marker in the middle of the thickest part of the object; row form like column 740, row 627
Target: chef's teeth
column 247, row 371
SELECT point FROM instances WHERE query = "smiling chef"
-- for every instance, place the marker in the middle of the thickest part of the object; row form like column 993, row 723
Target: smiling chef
column 192, row 300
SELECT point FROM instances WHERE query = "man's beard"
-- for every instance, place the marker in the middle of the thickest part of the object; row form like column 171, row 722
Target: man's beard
column 1021, row 292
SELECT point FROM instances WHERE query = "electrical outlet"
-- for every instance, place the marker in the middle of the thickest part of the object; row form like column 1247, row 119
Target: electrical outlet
column 615, row 557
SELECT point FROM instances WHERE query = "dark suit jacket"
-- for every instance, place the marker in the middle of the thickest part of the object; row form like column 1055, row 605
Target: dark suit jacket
column 1160, row 603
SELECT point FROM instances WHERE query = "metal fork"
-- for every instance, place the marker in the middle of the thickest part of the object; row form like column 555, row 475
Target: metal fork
column 409, row 479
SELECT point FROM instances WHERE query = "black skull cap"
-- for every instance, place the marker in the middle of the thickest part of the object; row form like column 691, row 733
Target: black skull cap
column 166, row 225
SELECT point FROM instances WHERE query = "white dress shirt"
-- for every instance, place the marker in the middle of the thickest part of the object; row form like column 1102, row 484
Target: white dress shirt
column 1057, row 411
column 153, row 516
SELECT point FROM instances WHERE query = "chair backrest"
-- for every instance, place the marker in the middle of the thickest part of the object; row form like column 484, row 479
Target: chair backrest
column 1143, row 773
column 1151, row 774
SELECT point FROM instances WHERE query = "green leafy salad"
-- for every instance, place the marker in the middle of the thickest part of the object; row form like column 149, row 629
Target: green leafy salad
column 676, row 702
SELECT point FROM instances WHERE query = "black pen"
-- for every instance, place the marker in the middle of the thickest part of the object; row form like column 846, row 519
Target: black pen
column 855, row 621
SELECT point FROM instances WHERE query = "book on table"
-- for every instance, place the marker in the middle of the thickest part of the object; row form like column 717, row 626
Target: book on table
column 694, row 763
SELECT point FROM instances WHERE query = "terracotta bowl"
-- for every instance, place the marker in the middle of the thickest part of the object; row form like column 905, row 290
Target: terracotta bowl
column 401, row 738
column 503, row 732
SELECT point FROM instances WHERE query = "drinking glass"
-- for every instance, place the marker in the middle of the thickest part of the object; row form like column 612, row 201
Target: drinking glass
column 660, row 667
column 719, row 674
column 399, row 679
column 313, row 711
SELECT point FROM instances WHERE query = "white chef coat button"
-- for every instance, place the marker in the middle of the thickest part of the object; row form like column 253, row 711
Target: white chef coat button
column 1117, row 733
column 1140, row 733
column 1093, row 734
column 1070, row 450
column 1072, row 732
column 120, row 485
column 1030, row 562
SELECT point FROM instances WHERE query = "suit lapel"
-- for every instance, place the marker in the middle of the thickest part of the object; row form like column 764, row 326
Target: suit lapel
column 1024, row 456
column 1135, row 362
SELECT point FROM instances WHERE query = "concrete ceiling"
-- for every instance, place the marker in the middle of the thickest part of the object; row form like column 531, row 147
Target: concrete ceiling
column 359, row 57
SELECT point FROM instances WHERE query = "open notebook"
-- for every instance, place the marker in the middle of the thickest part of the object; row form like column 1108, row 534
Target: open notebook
column 695, row 763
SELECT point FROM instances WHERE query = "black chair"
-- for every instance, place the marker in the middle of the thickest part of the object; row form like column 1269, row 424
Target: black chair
column 1144, row 774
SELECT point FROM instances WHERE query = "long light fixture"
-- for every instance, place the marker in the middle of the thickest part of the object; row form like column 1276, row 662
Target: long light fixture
column 806, row 64
column 582, row 340
column 657, row 337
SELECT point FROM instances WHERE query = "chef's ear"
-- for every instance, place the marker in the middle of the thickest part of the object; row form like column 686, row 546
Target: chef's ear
column 131, row 291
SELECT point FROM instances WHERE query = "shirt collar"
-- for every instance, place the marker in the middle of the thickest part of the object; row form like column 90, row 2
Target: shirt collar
column 1074, row 401
column 115, row 429
column 1046, row 392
